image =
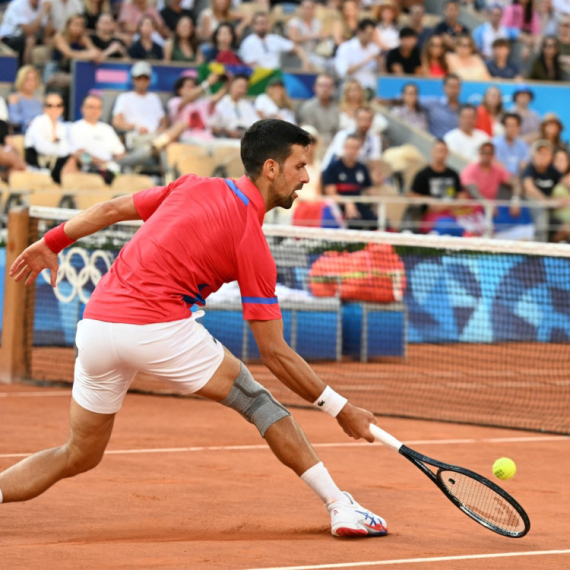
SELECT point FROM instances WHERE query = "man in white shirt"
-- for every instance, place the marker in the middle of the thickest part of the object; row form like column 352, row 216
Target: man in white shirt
column 306, row 30
column 62, row 9
column 466, row 139
column 93, row 141
column 21, row 23
column 485, row 34
column 234, row 114
column 358, row 58
column 96, row 144
column 262, row 49
column 371, row 150
column 139, row 112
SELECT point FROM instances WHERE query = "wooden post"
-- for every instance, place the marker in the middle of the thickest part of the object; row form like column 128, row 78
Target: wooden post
column 14, row 361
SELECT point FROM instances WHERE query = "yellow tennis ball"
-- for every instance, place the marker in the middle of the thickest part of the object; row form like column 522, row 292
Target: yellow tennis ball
column 504, row 468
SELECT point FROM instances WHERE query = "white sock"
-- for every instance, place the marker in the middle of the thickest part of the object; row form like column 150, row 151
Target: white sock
column 319, row 480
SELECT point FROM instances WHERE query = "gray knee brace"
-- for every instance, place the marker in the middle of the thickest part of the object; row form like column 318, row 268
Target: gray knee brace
column 254, row 402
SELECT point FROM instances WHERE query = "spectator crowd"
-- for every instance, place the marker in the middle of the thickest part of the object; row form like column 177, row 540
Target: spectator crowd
column 509, row 150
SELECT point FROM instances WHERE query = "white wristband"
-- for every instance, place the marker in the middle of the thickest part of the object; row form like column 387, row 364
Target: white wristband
column 330, row 402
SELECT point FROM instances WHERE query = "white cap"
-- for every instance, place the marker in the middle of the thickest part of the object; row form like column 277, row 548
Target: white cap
column 141, row 68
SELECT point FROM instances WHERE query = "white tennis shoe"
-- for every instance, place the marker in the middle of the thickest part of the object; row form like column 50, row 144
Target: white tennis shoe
column 353, row 520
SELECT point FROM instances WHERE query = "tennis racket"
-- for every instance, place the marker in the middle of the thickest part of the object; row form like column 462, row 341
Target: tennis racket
column 479, row 498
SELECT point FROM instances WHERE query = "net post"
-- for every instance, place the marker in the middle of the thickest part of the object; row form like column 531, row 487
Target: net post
column 15, row 361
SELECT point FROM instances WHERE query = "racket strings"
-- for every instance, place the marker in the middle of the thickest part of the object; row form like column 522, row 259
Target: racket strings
column 485, row 503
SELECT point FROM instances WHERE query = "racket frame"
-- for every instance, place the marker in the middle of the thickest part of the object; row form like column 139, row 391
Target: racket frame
column 419, row 460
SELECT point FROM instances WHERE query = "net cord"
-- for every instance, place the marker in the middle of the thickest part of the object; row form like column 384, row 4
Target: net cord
column 484, row 245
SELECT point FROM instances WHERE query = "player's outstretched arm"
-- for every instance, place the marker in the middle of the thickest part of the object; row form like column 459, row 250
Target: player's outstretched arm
column 298, row 376
column 39, row 256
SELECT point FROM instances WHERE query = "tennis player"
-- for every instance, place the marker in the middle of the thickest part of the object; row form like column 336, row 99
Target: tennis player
column 198, row 234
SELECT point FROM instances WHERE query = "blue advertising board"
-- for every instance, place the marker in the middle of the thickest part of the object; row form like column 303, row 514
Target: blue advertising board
column 116, row 76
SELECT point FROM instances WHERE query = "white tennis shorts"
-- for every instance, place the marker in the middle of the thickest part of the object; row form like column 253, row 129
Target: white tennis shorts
column 183, row 353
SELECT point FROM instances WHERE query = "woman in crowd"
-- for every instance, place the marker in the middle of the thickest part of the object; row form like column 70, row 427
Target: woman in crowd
column 353, row 97
column 546, row 66
column 490, row 113
column 466, row 63
column 220, row 11
column 409, row 108
column 183, row 46
column 46, row 141
column 92, row 9
column 274, row 103
column 224, row 46
column 145, row 47
column 130, row 17
column 387, row 35
column 105, row 39
column 547, row 17
column 551, row 129
column 192, row 106
column 434, row 62
column 560, row 219
column 72, row 43
column 24, row 104
column 344, row 28
column 522, row 16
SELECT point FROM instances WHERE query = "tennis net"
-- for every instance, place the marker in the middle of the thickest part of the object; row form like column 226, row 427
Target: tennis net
column 452, row 329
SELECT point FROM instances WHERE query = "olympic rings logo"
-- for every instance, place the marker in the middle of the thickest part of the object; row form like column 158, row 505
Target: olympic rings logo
column 78, row 278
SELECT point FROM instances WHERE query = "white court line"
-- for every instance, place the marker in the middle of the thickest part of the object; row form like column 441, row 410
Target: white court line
column 33, row 394
column 418, row 560
column 318, row 445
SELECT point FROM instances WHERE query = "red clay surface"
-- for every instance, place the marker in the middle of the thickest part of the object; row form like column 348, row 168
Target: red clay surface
column 240, row 509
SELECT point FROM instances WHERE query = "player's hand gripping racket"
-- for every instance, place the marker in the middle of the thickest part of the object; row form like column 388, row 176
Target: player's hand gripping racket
column 475, row 495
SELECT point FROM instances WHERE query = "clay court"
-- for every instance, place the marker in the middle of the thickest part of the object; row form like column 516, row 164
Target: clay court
column 188, row 484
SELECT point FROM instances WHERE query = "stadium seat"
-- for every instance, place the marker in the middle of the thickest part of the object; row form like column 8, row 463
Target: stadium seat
column 79, row 181
column 234, row 167
column 49, row 198
column 223, row 154
column 18, row 144
column 131, row 183
column 85, row 199
column 199, row 165
column 33, row 181
column 178, row 151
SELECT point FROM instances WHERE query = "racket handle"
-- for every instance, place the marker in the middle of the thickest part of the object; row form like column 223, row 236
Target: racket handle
column 385, row 438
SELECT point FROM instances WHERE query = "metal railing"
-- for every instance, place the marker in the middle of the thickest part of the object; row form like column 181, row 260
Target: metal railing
column 540, row 212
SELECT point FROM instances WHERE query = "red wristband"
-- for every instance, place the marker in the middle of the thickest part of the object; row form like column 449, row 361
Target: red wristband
column 56, row 239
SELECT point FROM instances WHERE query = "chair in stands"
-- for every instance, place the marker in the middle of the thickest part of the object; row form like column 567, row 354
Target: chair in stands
column 18, row 144
column 34, row 188
column 223, row 154
column 199, row 165
column 75, row 184
column 234, row 167
column 175, row 152
column 131, row 183
column 84, row 199
column 82, row 181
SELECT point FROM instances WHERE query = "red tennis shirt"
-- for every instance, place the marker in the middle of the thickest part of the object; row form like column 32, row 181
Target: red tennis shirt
column 199, row 233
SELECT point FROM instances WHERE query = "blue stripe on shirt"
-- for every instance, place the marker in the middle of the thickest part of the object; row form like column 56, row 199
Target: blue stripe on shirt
column 260, row 300
column 237, row 191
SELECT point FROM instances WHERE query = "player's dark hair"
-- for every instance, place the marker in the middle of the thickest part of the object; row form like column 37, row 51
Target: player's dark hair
column 515, row 116
column 364, row 24
column 270, row 139
column 450, row 76
column 407, row 32
column 467, row 106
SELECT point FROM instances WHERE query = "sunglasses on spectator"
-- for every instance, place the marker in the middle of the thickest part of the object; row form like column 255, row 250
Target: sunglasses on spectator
column 53, row 105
